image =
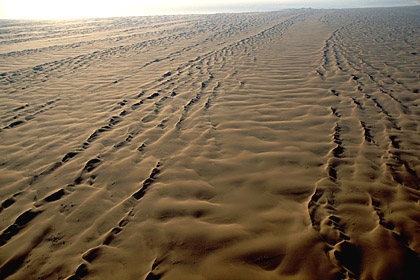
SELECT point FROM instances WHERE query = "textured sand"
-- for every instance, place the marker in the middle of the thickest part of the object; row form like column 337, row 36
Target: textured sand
column 281, row 145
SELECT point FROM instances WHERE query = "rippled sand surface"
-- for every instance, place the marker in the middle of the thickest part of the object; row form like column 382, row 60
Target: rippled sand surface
column 279, row 145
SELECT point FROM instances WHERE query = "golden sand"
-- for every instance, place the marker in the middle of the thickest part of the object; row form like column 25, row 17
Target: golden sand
column 280, row 145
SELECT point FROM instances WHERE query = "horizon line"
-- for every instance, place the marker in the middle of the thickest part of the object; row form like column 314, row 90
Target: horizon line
column 205, row 13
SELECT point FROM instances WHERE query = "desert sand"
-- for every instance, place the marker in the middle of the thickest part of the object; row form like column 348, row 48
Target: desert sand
column 276, row 145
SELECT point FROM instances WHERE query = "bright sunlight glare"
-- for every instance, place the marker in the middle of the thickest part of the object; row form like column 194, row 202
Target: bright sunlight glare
column 66, row 9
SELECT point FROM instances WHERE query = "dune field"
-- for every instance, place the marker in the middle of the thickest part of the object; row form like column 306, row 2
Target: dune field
column 275, row 145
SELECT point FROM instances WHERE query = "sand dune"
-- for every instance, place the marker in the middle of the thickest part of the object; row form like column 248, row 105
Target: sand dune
column 281, row 145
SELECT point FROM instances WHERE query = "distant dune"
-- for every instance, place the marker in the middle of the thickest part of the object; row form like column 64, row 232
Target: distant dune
column 278, row 145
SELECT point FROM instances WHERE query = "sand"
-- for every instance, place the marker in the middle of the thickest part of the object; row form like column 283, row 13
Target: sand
column 278, row 145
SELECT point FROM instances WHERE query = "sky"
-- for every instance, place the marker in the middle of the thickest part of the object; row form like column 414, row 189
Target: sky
column 66, row 9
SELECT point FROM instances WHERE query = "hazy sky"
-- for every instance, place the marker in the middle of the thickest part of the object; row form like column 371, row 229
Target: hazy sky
column 59, row 9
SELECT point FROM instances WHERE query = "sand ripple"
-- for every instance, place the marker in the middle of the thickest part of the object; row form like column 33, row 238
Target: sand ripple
column 280, row 145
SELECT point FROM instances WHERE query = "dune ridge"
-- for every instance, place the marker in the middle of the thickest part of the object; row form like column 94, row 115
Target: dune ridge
column 278, row 145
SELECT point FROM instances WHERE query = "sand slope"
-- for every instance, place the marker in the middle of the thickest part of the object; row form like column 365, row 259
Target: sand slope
column 282, row 145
